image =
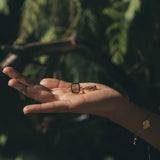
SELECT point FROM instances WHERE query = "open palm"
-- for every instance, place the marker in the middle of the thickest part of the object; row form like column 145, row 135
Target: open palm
column 56, row 96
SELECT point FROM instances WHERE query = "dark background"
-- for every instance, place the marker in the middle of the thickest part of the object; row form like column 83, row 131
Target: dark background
column 132, row 67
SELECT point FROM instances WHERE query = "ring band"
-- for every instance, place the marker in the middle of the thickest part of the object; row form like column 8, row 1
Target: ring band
column 89, row 89
column 75, row 88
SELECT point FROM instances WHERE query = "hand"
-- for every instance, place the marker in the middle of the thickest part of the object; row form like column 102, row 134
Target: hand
column 56, row 96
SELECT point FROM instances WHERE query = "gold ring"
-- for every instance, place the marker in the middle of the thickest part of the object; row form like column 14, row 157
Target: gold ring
column 89, row 89
column 75, row 88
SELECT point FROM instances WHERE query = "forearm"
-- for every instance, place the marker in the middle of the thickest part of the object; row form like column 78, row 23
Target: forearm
column 131, row 117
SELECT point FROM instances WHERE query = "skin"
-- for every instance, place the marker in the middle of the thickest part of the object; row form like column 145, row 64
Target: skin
column 55, row 96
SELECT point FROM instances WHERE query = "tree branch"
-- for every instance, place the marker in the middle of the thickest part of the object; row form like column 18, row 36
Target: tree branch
column 71, row 44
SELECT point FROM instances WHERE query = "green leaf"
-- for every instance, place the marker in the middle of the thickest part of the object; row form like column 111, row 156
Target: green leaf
column 112, row 13
column 4, row 7
column 3, row 139
column 134, row 6
column 113, row 26
column 117, row 58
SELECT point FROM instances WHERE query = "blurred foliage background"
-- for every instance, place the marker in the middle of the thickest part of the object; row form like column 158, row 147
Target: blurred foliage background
column 125, row 33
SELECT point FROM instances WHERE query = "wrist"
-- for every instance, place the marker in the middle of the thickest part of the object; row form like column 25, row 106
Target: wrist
column 129, row 115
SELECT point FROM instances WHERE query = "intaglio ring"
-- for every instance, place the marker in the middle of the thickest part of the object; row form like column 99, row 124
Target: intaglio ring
column 76, row 88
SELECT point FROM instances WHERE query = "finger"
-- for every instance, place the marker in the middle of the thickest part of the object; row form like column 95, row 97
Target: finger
column 51, row 107
column 54, row 83
column 36, row 92
column 11, row 72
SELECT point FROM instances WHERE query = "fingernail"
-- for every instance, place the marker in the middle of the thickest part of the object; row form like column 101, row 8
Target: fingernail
column 4, row 70
column 25, row 111
column 10, row 82
column 42, row 82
